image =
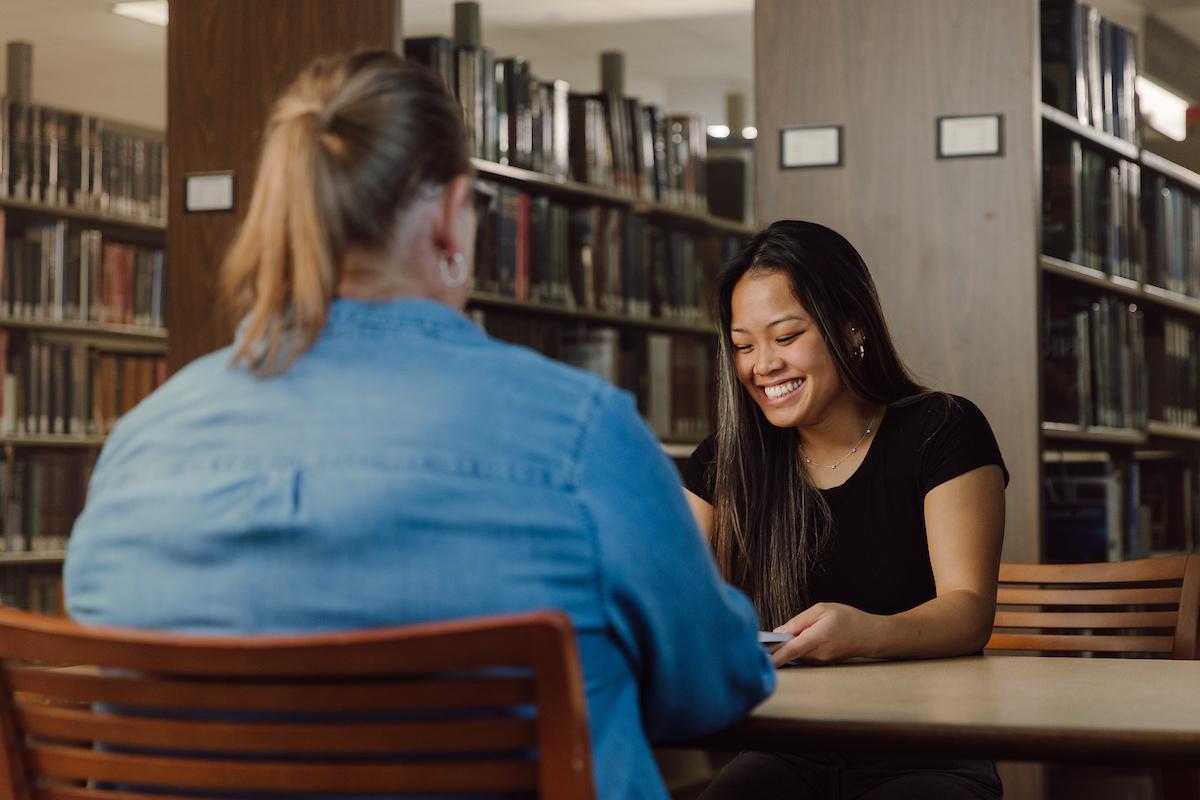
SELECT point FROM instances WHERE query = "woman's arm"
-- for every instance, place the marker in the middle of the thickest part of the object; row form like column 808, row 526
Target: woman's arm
column 702, row 510
column 964, row 524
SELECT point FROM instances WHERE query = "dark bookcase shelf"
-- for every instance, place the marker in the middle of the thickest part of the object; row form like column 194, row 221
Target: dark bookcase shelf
column 1165, row 430
column 51, row 440
column 1106, row 140
column 1092, row 434
column 1092, row 277
column 130, row 337
column 1172, row 170
column 486, row 300
column 32, row 558
column 1123, row 286
column 84, row 215
column 568, row 191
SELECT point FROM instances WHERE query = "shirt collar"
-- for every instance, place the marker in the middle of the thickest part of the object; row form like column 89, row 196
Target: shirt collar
column 357, row 317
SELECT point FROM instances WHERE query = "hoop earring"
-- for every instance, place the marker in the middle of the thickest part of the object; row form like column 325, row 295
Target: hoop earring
column 450, row 279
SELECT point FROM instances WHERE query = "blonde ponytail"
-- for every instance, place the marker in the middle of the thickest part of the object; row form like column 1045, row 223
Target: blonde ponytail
column 341, row 155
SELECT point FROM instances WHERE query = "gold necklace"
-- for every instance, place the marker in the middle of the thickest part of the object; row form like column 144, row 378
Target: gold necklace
column 834, row 465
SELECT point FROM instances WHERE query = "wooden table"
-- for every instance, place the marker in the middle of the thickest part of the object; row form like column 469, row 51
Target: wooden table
column 1091, row 710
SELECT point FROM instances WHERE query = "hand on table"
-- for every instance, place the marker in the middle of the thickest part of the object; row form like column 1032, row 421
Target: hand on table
column 827, row 633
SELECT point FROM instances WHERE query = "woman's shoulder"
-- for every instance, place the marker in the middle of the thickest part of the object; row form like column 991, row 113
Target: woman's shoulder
column 936, row 407
column 936, row 415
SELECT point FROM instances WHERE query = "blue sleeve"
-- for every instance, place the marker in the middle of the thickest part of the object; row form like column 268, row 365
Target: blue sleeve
column 691, row 638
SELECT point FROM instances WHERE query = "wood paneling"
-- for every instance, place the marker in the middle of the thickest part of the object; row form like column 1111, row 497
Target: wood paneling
column 952, row 244
column 226, row 62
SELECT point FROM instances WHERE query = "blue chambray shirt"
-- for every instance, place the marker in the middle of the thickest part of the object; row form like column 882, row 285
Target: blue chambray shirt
column 407, row 469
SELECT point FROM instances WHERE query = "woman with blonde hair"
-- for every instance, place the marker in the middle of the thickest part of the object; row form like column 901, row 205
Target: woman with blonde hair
column 364, row 455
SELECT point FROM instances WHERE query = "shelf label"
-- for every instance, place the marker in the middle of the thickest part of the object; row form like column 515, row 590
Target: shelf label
column 208, row 191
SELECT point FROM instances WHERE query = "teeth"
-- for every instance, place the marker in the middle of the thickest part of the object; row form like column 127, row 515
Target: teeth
column 775, row 392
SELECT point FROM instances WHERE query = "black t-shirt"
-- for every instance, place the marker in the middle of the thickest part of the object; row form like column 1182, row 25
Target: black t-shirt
column 877, row 558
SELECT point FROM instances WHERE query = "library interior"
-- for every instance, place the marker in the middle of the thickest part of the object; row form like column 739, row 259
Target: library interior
column 1021, row 178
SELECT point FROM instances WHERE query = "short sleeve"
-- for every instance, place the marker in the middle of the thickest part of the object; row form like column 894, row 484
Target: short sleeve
column 699, row 471
column 960, row 440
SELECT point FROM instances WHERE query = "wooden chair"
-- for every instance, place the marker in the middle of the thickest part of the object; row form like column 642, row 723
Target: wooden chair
column 489, row 704
column 1145, row 607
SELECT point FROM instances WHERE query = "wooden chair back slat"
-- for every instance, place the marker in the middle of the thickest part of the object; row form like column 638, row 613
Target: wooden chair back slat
column 1076, row 643
column 366, row 695
column 434, row 736
column 487, row 705
column 69, row 792
column 1112, row 607
column 62, row 763
column 1146, row 570
column 1088, row 597
column 1086, row 619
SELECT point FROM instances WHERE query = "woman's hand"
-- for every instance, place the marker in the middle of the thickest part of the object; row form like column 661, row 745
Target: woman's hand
column 827, row 633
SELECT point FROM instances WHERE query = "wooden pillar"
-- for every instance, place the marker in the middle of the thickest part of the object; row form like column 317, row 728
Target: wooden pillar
column 226, row 62
column 952, row 244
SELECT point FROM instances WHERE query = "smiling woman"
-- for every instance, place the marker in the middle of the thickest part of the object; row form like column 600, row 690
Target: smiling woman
column 859, row 510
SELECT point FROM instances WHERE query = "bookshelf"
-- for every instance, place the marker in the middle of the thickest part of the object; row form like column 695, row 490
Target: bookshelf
column 82, row 324
column 947, row 241
column 596, row 248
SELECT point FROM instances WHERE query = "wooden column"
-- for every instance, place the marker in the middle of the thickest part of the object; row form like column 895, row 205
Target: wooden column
column 226, row 62
column 952, row 244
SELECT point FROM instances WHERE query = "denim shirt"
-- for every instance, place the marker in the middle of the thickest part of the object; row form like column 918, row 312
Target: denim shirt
column 408, row 469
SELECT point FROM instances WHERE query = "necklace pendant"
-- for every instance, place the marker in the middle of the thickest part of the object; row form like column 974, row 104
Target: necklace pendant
column 834, row 466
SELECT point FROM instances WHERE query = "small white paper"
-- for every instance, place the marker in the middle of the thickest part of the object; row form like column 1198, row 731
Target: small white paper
column 810, row 147
column 210, row 191
column 969, row 136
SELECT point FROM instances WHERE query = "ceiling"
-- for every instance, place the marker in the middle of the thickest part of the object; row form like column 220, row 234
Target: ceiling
column 437, row 14
column 90, row 59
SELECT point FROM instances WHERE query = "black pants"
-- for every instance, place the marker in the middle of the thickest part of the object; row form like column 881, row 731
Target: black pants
column 779, row 776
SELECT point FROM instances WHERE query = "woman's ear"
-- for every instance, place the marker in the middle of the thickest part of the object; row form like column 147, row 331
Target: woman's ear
column 456, row 221
column 857, row 338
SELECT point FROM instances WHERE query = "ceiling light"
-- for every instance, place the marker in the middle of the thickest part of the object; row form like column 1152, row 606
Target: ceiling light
column 718, row 131
column 749, row 132
column 152, row 11
column 1164, row 111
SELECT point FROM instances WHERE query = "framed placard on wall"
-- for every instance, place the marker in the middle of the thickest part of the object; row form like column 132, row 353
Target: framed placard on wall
column 208, row 191
column 976, row 136
column 810, row 146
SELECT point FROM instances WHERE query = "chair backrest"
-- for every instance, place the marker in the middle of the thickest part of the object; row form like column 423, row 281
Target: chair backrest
column 488, row 704
column 1146, row 606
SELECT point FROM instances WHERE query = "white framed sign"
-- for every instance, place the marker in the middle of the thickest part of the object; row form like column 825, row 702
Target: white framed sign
column 808, row 146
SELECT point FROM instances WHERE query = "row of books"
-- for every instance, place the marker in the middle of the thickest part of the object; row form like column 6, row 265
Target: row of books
column 41, row 494
column 60, row 158
column 1093, row 372
column 1173, row 222
column 1173, row 363
column 1091, row 207
column 669, row 374
column 67, row 387
column 39, row 591
column 597, row 257
column 62, row 272
column 1089, row 67
column 1112, row 511
column 602, row 138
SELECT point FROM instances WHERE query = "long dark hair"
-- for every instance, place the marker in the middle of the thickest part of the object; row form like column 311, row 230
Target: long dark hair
column 769, row 521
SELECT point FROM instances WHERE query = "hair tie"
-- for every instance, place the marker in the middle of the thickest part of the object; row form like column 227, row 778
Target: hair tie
column 292, row 108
